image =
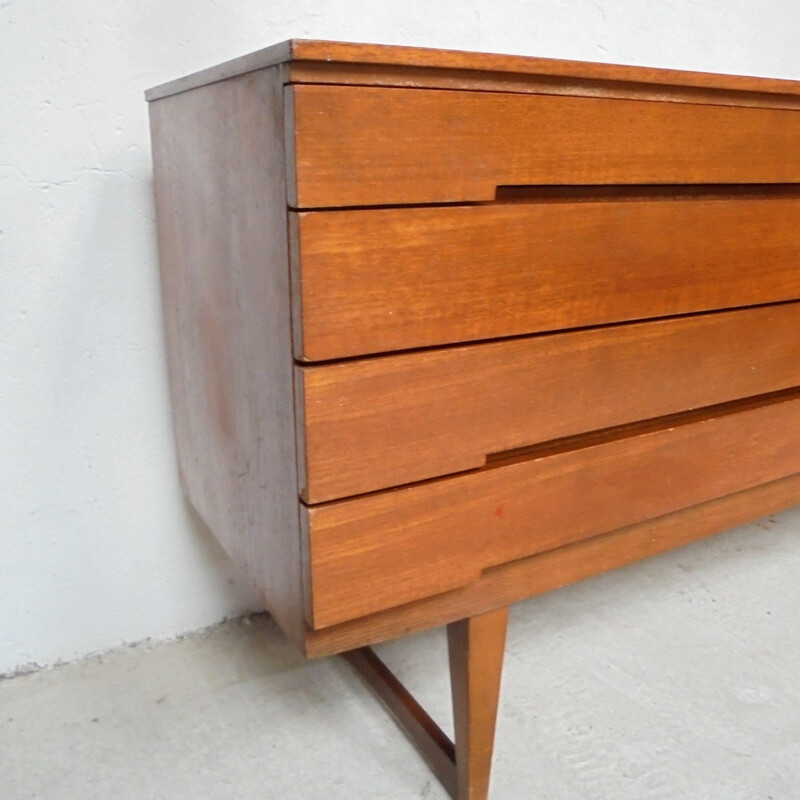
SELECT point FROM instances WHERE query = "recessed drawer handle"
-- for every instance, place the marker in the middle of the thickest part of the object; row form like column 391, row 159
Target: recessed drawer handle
column 597, row 193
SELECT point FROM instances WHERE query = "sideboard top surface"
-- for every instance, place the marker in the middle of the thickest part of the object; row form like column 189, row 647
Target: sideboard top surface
column 364, row 56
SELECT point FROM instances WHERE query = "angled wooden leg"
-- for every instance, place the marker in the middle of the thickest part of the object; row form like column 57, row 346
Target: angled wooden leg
column 476, row 648
column 476, row 659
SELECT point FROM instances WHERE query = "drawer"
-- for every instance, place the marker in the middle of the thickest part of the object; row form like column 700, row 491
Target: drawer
column 355, row 146
column 374, row 423
column 376, row 552
column 378, row 280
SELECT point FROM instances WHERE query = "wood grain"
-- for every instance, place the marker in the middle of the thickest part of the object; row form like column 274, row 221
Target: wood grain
column 544, row 572
column 476, row 647
column 374, row 552
column 577, row 85
column 392, row 55
column 378, row 422
column 371, row 281
column 218, row 156
column 341, row 55
column 357, row 146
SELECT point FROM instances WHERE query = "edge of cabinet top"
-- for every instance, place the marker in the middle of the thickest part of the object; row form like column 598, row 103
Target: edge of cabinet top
column 314, row 61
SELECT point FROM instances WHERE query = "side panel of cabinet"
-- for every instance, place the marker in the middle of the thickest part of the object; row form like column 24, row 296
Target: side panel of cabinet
column 218, row 154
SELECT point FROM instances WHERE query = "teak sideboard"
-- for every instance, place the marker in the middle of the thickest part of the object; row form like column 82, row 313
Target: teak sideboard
column 448, row 330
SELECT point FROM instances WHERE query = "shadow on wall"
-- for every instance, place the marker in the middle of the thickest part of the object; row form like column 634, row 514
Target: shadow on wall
column 102, row 548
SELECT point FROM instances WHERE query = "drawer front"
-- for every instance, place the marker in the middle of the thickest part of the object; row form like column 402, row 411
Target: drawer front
column 382, row 550
column 369, row 281
column 376, row 146
column 379, row 422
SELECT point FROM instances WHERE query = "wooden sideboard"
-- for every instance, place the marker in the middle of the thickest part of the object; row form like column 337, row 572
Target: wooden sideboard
column 448, row 330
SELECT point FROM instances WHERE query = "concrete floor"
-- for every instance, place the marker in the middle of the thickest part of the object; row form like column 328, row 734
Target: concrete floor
column 674, row 679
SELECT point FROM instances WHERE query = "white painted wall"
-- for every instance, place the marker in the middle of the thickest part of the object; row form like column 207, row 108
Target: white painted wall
column 96, row 545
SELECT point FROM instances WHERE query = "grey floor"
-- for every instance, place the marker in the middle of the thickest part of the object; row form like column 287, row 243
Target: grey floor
column 677, row 678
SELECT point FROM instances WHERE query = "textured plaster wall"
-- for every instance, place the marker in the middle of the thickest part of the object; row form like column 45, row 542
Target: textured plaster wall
column 96, row 544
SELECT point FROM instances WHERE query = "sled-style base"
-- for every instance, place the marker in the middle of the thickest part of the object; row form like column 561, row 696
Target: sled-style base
column 476, row 648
